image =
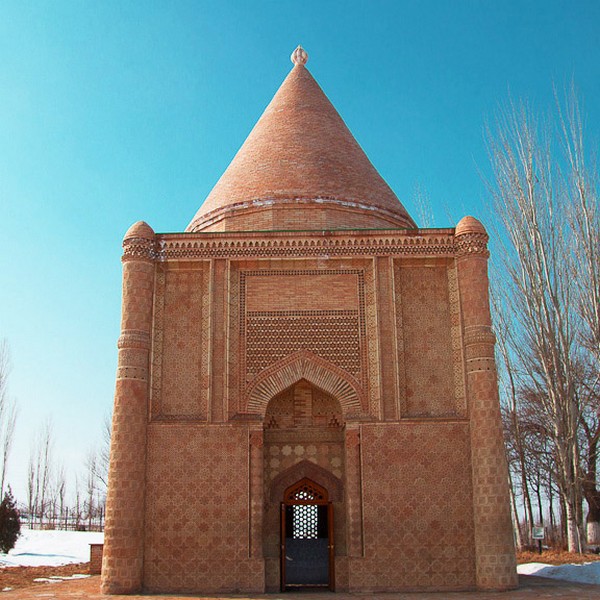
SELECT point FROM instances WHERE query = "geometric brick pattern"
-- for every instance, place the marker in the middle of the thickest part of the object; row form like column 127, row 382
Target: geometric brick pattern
column 283, row 452
column 311, row 374
column 306, row 244
column 429, row 376
column 197, row 510
column 458, row 359
column 427, row 533
column 285, row 311
column 180, row 365
column 388, row 353
column 353, row 290
column 333, row 335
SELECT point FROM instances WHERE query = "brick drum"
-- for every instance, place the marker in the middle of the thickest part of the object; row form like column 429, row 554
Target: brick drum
column 303, row 328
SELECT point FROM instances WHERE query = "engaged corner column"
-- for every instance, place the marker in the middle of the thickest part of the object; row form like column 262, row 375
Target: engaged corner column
column 122, row 564
column 495, row 561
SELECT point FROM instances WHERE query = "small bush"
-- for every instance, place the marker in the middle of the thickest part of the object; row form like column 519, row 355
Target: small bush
column 10, row 523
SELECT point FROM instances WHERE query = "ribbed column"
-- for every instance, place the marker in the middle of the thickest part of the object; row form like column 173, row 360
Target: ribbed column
column 494, row 548
column 122, row 566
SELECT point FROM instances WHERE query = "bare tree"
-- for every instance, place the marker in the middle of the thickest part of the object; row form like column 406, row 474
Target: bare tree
column 582, row 186
column 102, row 459
column 40, row 472
column 91, row 479
column 61, row 494
column 422, row 201
column 97, row 475
column 77, row 511
column 537, row 259
column 515, row 443
column 8, row 415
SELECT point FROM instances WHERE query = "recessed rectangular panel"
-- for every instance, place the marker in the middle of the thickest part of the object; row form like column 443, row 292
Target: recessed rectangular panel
column 428, row 350
column 294, row 292
column 182, row 393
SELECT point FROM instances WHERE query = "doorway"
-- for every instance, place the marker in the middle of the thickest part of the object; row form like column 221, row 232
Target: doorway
column 307, row 548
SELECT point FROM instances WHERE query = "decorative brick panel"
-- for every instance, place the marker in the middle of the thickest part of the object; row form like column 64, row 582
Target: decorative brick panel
column 387, row 342
column 286, row 311
column 332, row 335
column 198, row 510
column 417, row 508
column 179, row 358
column 428, row 351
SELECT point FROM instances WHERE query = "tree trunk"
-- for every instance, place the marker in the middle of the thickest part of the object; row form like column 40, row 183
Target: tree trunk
column 538, row 495
column 573, row 538
column 593, row 517
column 515, row 515
column 551, row 516
column 563, row 521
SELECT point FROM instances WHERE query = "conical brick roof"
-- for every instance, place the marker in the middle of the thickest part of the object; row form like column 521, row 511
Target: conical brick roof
column 301, row 154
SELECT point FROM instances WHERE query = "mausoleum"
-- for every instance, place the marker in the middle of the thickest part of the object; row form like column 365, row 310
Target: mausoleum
column 306, row 391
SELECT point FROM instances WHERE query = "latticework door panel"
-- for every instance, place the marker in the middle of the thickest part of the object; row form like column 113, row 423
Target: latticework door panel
column 305, row 522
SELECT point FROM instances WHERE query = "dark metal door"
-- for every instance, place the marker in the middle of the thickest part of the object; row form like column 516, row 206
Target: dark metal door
column 307, row 550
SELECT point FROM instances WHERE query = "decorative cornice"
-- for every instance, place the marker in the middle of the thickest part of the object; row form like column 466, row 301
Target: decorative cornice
column 137, row 248
column 470, row 244
column 306, row 244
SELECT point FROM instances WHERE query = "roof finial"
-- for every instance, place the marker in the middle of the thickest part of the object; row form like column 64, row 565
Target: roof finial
column 299, row 56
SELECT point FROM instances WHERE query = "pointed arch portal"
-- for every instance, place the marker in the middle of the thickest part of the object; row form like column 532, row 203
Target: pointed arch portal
column 307, row 547
column 305, row 365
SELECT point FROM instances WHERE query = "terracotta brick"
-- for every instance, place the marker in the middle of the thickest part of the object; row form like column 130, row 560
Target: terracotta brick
column 354, row 352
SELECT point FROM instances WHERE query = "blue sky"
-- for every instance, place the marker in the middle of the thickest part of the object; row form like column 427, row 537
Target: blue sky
column 112, row 112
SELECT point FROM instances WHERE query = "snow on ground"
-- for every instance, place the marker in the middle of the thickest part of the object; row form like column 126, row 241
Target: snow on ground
column 584, row 573
column 36, row 548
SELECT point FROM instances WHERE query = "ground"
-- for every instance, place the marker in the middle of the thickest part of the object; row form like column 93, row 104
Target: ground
column 42, row 560
column 19, row 577
column 556, row 557
column 530, row 588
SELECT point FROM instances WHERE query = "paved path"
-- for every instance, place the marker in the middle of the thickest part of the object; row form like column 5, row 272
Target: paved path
column 531, row 588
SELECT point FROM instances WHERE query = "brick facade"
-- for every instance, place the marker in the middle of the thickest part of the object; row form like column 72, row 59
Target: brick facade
column 360, row 360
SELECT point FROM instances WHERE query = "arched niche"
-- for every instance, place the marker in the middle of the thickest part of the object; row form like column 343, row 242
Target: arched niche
column 317, row 371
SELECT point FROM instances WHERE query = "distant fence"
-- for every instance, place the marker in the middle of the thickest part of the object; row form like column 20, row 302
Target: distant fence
column 96, row 524
column 63, row 526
